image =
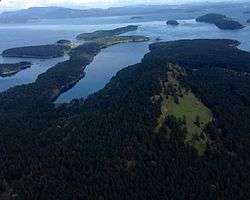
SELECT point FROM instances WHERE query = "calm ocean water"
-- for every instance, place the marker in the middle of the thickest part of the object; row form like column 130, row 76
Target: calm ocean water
column 110, row 60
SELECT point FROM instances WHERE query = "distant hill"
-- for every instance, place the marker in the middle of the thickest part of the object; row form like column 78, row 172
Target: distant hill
column 221, row 21
column 42, row 13
column 35, row 13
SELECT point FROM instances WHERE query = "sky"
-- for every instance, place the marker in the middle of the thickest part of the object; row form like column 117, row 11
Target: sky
column 19, row 4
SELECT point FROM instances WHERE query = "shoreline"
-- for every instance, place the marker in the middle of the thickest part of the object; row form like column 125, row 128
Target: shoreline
column 10, row 69
column 73, row 83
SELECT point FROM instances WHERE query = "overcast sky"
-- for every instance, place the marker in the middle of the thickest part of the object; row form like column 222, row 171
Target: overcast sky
column 18, row 4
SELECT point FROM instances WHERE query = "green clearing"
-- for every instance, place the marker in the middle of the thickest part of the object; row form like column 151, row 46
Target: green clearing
column 190, row 107
column 183, row 105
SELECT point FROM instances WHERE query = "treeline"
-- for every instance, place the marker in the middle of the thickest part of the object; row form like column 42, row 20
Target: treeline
column 200, row 53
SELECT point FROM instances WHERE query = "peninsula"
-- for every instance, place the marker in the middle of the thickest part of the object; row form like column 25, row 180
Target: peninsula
column 107, row 38
column 221, row 21
column 109, row 41
column 40, row 52
column 10, row 69
column 106, row 33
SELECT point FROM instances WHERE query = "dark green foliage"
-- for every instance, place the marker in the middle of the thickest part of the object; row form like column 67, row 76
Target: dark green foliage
column 226, row 93
column 197, row 121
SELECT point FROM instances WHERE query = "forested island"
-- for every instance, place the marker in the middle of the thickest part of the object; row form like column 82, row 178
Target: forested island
column 221, row 21
column 10, row 69
column 174, row 126
column 106, row 33
column 41, row 51
column 64, row 42
column 172, row 22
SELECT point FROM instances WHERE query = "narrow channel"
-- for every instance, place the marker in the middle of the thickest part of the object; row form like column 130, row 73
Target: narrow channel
column 104, row 66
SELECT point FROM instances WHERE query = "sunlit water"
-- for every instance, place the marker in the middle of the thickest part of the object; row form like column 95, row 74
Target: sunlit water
column 107, row 63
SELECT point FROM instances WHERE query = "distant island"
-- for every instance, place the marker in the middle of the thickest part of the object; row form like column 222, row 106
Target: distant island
column 63, row 42
column 108, row 41
column 136, row 17
column 172, row 23
column 221, row 21
column 106, row 33
column 10, row 69
column 106, row 38
column 41, row 52
column 158, row 39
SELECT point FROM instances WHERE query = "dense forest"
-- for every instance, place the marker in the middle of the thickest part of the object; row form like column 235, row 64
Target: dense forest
column 120, row 143
column 42, row 51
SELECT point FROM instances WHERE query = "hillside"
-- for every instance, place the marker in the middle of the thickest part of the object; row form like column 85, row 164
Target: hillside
column 221, row 21
column 106, row 33
column 125, row 141
column 42, row 51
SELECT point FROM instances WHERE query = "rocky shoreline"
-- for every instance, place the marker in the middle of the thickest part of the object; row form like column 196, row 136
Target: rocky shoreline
column 10, row 69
